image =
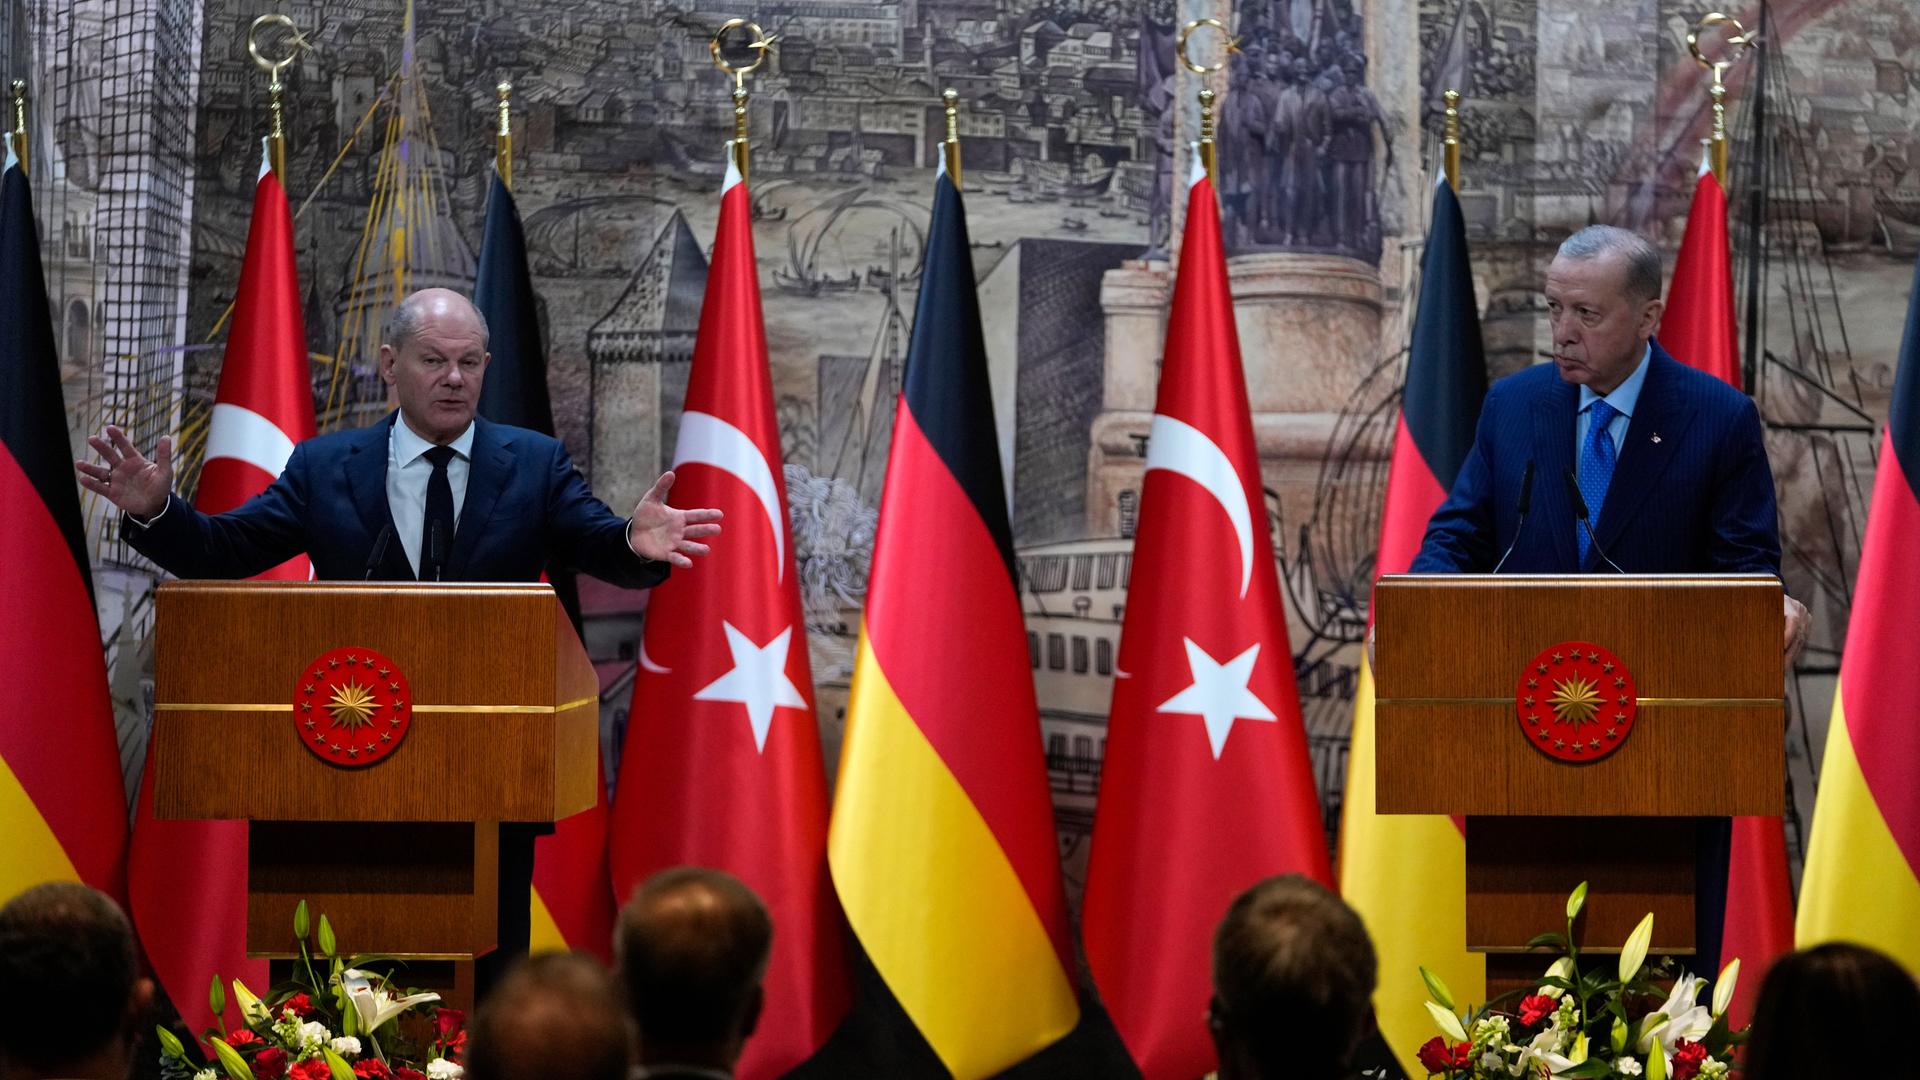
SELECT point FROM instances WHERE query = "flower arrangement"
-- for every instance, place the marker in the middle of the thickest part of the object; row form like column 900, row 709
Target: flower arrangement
column 351, row 1024
column 1590, row 1022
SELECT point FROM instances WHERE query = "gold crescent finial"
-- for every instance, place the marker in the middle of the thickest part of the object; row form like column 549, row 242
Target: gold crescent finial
column 762, row 43
column 296, row 44
column 1232, row 46
column 1741, row 38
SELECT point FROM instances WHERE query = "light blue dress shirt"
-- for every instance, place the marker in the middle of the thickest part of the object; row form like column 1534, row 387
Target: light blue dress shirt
column 1623, row 399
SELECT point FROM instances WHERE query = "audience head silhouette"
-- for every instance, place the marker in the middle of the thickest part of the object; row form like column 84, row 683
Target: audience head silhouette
column 1293, row 979
column 555, row 1016
column 693, row 946
column 1830, row 1011
column 72, row 1002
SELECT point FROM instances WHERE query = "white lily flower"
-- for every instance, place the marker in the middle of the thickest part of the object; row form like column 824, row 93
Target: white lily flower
column 1683, row 1018
column 1563, row 969
column 372, row 1004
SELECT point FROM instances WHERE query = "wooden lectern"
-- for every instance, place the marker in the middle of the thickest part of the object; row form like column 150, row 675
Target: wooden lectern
column 1701, row 658
column 496, row 709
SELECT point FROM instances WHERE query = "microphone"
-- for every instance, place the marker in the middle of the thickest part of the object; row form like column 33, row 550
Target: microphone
column 379, row 554
column 1580, row 510
column 1525, row 502
column 437, row 549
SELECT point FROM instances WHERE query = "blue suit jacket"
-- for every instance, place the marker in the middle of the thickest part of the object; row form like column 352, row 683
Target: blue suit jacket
column 526, row 507
column 1692, row 492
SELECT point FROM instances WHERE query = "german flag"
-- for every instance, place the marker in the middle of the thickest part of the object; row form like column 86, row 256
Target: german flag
column 63, row 810
column 942, row 845
column 1862, row 879
column 1407, row 874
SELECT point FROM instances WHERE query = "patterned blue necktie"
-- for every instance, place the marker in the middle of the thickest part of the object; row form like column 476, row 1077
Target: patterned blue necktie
column 1597, row 458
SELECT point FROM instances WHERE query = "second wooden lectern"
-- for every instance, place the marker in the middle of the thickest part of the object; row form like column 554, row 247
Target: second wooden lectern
column 1581, row 725
column 373, row 736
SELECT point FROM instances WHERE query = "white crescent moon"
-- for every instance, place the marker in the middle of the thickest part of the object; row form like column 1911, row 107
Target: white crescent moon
column 706, row 439
column 647, row 662
column 1182, row 448
column 240, row 433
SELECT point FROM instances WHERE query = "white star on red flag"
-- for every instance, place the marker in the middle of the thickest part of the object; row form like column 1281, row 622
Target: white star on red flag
column 1219, row 694
column 758, row 680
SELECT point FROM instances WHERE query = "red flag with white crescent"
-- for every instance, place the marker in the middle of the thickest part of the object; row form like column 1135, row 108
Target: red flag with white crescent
column 187, row 880
column 1206, row 788
column 722, row 764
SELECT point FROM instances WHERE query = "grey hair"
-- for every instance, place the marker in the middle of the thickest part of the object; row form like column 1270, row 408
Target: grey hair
column 406, row 319
column 1643, row 274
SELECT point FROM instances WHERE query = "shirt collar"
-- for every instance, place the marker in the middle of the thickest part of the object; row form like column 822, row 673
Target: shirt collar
column 1627, row 394
column 408, row 446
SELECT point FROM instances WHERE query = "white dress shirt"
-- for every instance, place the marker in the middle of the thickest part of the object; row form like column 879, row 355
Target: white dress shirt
column 408, row 471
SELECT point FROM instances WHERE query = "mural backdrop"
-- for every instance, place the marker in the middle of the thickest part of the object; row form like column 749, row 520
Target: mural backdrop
column 148, row 113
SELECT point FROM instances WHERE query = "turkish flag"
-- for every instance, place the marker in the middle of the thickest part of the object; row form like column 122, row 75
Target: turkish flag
column 1699, row 329
column 263, row 407
column 1207, row 787
column 721, row 766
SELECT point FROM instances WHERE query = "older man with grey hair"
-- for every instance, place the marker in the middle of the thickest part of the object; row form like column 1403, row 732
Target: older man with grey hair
column 432, row 492
column 1638, row 464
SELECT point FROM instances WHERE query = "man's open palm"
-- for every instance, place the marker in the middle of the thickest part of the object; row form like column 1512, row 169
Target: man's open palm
column 661, row 532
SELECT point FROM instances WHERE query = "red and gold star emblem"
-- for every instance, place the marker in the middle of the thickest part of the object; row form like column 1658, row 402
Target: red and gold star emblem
column 1576, row 701
column 352, row 706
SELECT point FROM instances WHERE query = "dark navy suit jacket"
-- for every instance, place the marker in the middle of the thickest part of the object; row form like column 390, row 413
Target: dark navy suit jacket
column 1692, row 491
column 526, row 506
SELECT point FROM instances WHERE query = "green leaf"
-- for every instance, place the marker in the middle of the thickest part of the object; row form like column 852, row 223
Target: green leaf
column 170, row 1044
column 231, row 1061
column 1576, row 901
column 1723, row 986
column 1634, row 953
column 327, row 942
column 217, row 998
column 1718, row 1038
column 349, row 1016
column 1545, row 941
column 300, row 920
column 1448, row 1023
column 1587, row 1070
column 1657, row 1062
column 338, row 1065
column 1436, row 988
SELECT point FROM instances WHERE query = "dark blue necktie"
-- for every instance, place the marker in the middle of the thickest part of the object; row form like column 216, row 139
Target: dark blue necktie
column 1597, row 459
column 436, row 532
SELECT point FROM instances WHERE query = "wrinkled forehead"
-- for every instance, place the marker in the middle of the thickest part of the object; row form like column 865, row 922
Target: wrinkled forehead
column 1599, row 279
column 447, row 330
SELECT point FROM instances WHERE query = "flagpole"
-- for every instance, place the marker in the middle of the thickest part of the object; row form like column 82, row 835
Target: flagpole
column 19, row 132
column 277, row 133
column 503, row 138
column 1738, row 40
column 1451, row 162
column 762, row 44
column 1207, row 96
column 951, row 147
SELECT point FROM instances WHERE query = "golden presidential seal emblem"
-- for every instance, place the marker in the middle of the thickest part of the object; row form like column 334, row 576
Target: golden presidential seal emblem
column 352, row 706
column 1576, row 701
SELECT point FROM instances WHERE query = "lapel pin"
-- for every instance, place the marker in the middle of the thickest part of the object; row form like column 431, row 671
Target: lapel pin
column 1656, row 436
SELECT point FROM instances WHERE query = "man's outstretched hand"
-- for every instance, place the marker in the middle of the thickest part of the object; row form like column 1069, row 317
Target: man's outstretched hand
column 124, row 478
column 660, row 532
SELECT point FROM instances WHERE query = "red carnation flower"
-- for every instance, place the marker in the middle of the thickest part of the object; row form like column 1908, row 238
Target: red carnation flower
column 270, row 1064
column 240, row 1037
column 404, row 1073
column 371, row 1068
column 1535, row 1008
column 1437, row 1057
column 1688, row 1056
column 300, row 1003
column 311, row 1069
column 448, row 1021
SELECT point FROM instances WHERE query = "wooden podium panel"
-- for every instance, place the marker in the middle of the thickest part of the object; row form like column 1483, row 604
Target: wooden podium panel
column 1704, row 654
column 401, row 853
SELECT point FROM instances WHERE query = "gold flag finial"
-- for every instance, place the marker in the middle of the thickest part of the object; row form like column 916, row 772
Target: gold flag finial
column 503, row 138
column 1740, row 38
column 1451, row 140
column 19, row 132
column 277, row 134
column 951, row 148
column 762, row 43
column 1207, row 96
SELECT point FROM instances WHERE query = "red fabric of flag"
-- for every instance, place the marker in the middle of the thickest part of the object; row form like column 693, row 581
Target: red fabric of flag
column 722, row 765
column 1206, row 787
